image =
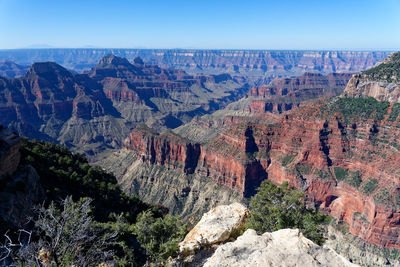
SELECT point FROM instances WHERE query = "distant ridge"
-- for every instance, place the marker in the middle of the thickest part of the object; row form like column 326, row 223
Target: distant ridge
column 256, row 66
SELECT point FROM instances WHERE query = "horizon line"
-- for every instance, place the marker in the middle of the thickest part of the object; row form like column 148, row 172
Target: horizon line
column 211, row 49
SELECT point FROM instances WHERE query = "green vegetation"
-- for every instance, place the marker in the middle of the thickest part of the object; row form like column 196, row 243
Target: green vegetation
column 354, row 179
column 370, row 186
column 340, row 173
column 349, row 177
column 278, row 207
column 360, row 108
column 68, row 236
column 303, row 169
column 287, row 160
column 159, row 236
column 65, row 174
column 384, row 197
column 324, row 175
column 395, row 112
column 389, row 71
column 115, row 222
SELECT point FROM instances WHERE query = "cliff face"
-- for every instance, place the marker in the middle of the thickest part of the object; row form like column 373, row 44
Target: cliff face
column 226, row 160
column 261, row 65
column 9, row 152
column 327, row 61
column 162, row 97
column 97, row 110
column 20, row 189
column 283, row 94
column 38, row 103
column 342, row 152
column 381, row 82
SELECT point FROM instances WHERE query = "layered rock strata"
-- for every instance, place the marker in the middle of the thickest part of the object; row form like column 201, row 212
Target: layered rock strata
column 381, row 82
column 342, row 152
column 96, row 111
column 258, row 65
column 287, row 93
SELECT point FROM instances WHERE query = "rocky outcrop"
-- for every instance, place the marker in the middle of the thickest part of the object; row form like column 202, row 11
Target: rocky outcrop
column 287, row 93
column 313, row 84
column 361, row 86
column 216, row 226
column 20, row 188
column 9, row 152
column 287, row 247
column 381, row 82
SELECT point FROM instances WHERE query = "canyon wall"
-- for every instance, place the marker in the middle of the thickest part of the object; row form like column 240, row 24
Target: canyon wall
column 284, row 94
column 225, row 161
column 95, row 111
column 20, row 189
column 381, row 82
column 255, row 65
column 342, row 152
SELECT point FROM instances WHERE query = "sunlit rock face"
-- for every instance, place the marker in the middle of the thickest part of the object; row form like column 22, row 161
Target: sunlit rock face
column 216, row 226
column 287, row 247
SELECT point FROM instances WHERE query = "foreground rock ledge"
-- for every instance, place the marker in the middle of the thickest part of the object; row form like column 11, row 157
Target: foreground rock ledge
column 215, row 226
column 287, row 247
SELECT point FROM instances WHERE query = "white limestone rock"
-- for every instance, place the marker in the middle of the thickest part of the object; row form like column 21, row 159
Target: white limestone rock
column 215, row 226
column 287, row 247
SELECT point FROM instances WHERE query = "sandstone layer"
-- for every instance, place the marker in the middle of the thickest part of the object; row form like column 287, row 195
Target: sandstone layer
column 215, row 226
column 342, row 152
column 287, row 247
column 381, row 82
column 284, row 94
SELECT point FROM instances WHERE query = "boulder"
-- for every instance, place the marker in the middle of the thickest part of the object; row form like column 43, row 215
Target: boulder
column 216, row 226
column 286, row 247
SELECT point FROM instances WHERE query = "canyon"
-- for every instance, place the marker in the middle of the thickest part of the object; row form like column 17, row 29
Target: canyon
column 96, row 111
column 255, row 66
column 11, row 70
column 342, row 152
column 190, row 141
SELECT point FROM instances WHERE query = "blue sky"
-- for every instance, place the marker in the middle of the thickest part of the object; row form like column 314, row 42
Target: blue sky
column 281, row 24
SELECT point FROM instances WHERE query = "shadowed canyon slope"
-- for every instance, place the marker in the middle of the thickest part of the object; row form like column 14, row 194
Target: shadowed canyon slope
column 97, row 110
column 11, row 70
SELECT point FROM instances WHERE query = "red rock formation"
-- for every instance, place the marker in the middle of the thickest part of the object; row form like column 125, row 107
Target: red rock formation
column 230, row 167
column 348, row 166
column 47, row 101
column 284, row 94
column 50, row 91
